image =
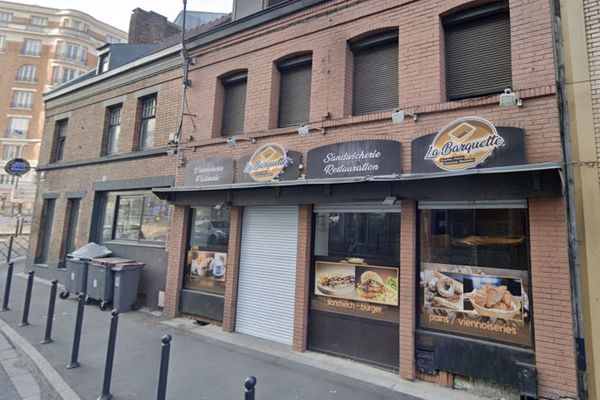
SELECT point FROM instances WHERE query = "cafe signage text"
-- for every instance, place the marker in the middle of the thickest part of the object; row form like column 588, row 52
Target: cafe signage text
column 267, row 163
column 209, row 171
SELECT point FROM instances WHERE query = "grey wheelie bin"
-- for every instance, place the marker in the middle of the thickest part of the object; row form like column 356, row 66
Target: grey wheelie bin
column 100, row 279
column 127, row 280
column 77, row 268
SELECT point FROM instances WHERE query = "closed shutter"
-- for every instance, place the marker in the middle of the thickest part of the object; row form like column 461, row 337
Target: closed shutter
column 234, row 106
column 244, row 8
column 375, row 86
column 294, row 92
column 267, row 274
column 478, row 55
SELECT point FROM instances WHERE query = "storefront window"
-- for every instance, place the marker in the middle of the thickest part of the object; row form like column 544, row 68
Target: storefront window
column 474, row 272
column 135, row 216
column 207, row 256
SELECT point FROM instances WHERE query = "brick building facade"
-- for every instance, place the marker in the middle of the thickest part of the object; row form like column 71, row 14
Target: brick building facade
column 385, row 267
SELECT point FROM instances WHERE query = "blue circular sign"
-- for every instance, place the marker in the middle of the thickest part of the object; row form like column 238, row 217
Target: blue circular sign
column 17, row 167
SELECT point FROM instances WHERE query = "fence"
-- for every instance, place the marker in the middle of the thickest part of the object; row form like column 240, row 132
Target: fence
column 19, row 247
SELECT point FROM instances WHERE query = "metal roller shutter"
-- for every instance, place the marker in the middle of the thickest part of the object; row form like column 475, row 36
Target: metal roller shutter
column 375, row 85
column 294, row 93
column 478, row 56
column 267, row 276
column 234, row 106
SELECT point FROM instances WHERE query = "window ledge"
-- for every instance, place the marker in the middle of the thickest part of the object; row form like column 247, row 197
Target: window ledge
column 30, row 55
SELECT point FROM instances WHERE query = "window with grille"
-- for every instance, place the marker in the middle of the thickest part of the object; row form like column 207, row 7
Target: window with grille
column 478, row 51
column 17, row 128
column 147, row 123
column 234, row 104
column 294, row 91
column 21, row 99
column 31, row 47
column 113, row 130
column 375, row 73
column 11, row 151
column 27, row 73
column 60, row 138
column 39, row 21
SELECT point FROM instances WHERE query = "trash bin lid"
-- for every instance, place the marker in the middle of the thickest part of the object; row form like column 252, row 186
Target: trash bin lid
column 89, row 251
column 127, row 266
column 110, row 261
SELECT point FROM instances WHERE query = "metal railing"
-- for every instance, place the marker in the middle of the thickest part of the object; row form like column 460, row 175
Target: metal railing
column 20, row 246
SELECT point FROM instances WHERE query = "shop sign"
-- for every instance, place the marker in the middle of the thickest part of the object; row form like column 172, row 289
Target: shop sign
column 17, row 167
column 468, row 143
column 357, row 289
column 270, row 162
column 490, row 303
column 209, row 171
column 358, row 158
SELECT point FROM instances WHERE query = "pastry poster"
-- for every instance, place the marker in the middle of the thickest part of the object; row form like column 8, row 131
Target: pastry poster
column 485, row 302
column 205, row 270
column 358, row 289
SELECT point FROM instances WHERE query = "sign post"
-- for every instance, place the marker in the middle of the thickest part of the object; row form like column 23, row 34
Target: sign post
column 17, row 167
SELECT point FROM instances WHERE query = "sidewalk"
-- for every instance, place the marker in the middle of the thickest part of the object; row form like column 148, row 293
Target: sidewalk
column 17, row 381
column 205, row 362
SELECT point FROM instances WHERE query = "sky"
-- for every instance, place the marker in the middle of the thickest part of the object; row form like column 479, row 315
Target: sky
column 117, row 12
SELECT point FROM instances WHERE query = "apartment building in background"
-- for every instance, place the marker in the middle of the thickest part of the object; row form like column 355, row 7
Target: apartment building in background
column 40, row 48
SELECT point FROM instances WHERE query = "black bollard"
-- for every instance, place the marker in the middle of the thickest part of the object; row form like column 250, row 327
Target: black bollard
column 110, row 355
column 9, row 274
column 25, row 319
column 249, row 384
column 50, row 316
column 77, row 335
column 10, row 247
column 164, row 368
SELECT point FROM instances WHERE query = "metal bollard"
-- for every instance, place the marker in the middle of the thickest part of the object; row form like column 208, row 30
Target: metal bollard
column 9, row 274
column 25, row 319
column 10, row 247
column 77, row 335
column 249, row 384
column 164, row 368
column 50, row 316
column 110, row 355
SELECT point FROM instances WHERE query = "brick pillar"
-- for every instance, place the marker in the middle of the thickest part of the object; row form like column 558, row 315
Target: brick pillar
column 176, row 247
column 302, row 278
column 552, row 304
column 233, row 268
column 408, row 273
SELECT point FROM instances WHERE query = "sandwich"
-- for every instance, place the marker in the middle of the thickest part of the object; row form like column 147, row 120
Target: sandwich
column 371, row 285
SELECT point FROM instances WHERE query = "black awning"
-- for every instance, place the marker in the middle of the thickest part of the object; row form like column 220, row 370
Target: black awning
column 519, row 181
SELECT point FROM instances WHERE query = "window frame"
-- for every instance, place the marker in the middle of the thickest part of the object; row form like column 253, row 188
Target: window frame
column 291, row 65
column 16, row 153
column 17, row 99
column 30, row 77
column 60, row 137
column 229, row 82
column 44, row 234
column 5, row 18
column 113, row 123
column 2, row 43
column 37, row 18
column 10, row 128
column 26, row 47
column 147, row 114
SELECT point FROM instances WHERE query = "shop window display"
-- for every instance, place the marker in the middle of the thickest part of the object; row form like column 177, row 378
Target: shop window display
column 207, row 256
column 474, row 273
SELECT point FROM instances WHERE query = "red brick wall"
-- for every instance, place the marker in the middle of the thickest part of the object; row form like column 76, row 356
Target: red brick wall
column 233, row 269
column 551, row 290
column 176, row 247
column 302, row 278
column 408, row 273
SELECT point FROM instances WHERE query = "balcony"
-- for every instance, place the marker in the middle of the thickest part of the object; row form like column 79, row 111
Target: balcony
column 35, row 28
column 77, row 33
column 22, row 106
column 30, row 53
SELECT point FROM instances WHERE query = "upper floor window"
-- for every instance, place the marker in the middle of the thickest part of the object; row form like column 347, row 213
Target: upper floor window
column 375, row 73
column 31, row 47
column 148, row 122
column 61, row 75
column 5, row 18
column 478, row 53
column 39, row 21
column 294, row 90
column 114, row 129
column 112, row 39
column 17, row 127
column 72, row 52
column 11, row 151
column 234, row 104
column 2, row 42
column 60, row 135
column 27, row 73
column 103, row 63
column 21, row 99
column 75, row 24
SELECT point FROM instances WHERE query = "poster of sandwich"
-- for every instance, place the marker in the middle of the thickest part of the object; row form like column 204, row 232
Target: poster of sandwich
column 371, row 284
column 486, row 302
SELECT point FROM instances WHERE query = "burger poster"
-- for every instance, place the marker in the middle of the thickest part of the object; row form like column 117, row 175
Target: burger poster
column 357, row 289
column 486, row 302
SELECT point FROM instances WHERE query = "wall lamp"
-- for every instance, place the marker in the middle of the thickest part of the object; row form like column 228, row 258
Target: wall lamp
column 510, row 99
column 304, row 130
column 232, row 141
column 398, row 116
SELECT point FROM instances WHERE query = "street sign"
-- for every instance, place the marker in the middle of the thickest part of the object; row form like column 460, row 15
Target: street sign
column 17, row 167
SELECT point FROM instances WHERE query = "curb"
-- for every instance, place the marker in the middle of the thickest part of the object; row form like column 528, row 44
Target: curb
column 43, row 367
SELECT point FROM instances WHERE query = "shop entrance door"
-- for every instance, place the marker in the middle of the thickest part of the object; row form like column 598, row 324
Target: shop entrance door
column 267, row 276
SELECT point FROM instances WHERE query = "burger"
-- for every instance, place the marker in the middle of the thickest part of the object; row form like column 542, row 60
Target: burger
column 371, row 285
